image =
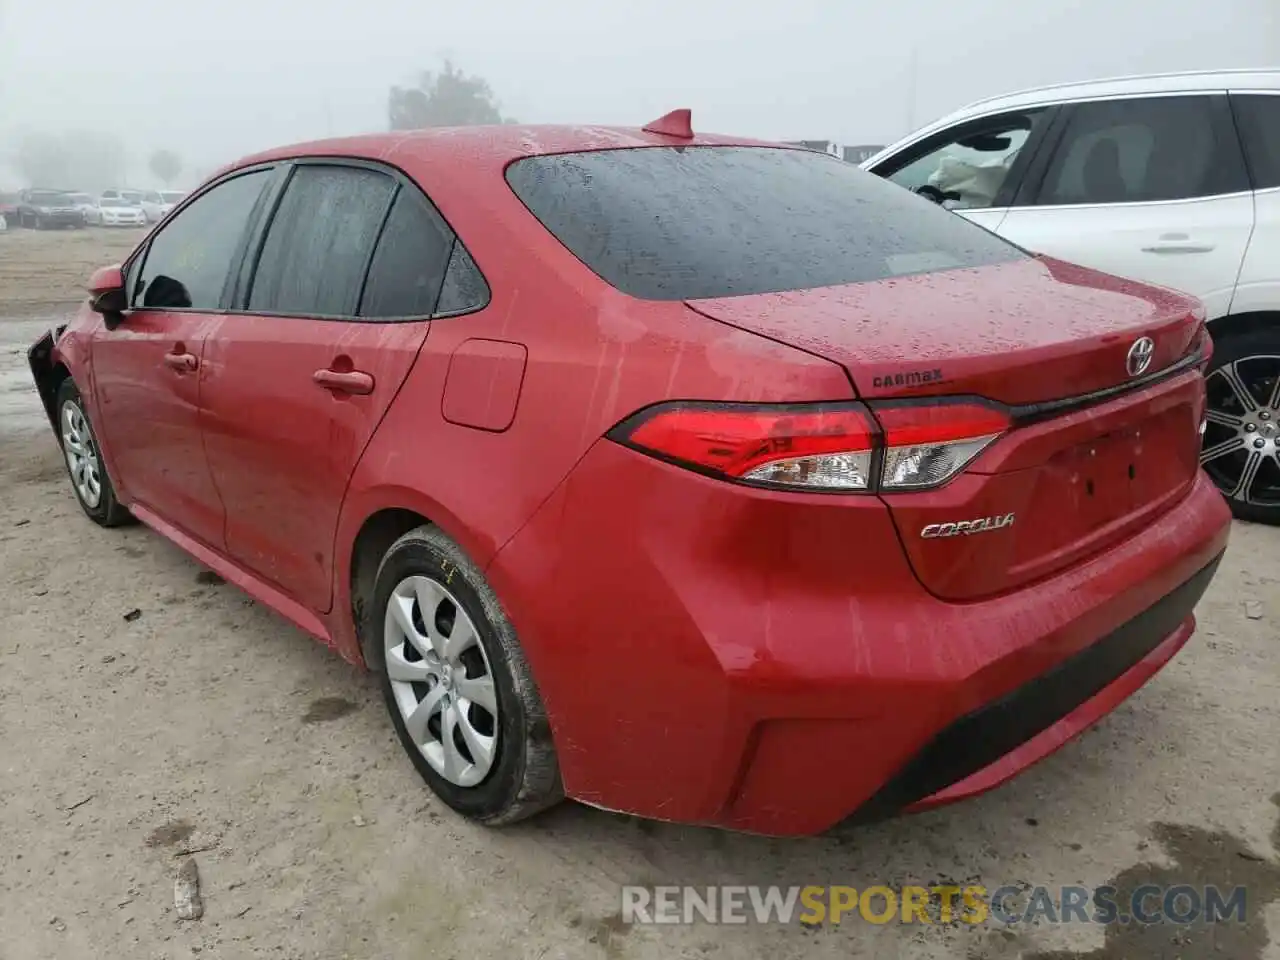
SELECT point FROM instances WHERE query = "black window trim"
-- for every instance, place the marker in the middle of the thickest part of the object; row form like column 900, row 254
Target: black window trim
column 1009, row 190
column 239, row 304
column 1220, row 117
column 139, row 256
column 1232, row 97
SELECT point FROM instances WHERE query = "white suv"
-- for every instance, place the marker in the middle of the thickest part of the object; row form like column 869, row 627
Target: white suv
column 1171, row 179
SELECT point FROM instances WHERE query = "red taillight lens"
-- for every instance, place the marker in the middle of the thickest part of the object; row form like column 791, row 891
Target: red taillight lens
column 810, row 446
column 832, row 447
column 928, row 444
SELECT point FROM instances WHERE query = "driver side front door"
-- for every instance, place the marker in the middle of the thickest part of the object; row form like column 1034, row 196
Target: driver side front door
column 148, row 371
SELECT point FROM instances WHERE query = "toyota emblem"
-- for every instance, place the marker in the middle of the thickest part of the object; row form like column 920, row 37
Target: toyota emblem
column 1139, row 357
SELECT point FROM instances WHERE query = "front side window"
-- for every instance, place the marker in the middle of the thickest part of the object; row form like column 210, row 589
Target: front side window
column 1142, row 150
column 1259, row 118
column 967, row 169
column 187, row 263
column 676, row 223
column 314, row 256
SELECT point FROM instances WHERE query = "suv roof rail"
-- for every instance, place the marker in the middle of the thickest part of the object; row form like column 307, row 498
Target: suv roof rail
column 1100, row 81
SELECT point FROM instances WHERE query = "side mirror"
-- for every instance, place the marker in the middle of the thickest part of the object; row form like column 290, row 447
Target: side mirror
column 107, row 295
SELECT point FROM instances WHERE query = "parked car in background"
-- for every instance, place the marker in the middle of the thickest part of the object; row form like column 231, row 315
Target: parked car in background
column 156, row 204
column 9, row 207
column 1171, row 179
column 130, row 197
column 88, row 208
column 858, row 508
column 121, row 213
column 48, row 210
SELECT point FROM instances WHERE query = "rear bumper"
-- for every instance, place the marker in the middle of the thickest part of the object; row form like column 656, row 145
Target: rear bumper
column 984, row 748
column 717, row 654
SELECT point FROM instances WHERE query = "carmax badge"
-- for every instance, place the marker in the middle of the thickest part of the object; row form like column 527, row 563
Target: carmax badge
column 966, row 527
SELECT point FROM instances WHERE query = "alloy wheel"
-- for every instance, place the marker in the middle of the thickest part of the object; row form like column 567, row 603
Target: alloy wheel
column 441, row 680
column 1241, row 450
column 82, row 455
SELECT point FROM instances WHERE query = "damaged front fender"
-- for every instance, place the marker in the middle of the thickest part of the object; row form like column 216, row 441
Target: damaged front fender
column 42, row 358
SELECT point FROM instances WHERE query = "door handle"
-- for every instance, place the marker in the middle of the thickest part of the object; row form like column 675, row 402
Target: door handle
column 1178, row 243
column 182, row 362
column 355, row 382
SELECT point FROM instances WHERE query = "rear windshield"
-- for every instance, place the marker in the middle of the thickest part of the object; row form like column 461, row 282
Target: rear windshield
column 677, row 223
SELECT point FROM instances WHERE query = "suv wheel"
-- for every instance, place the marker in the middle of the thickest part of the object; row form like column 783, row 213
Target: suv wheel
column 1241, row 451
column 460, row 694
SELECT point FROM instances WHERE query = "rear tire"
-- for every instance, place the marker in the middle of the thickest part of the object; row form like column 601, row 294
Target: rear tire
column 89, row 479
column 461, row 696
column 1241, row 451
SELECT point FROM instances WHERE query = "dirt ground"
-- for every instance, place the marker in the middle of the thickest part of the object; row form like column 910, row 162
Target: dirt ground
column 147, row 710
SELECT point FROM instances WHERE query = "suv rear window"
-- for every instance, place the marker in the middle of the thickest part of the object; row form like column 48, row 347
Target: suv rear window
column 678, row 223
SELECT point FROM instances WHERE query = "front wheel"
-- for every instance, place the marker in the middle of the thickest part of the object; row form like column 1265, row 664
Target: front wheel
column 1241, row 451
column 89, row 480
column 460, row 694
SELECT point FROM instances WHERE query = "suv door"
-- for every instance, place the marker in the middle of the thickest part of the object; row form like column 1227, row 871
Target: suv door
column 347, row 275
column 147, row 371
column 1258, row 116
column 973, row 167
column 1151, row 188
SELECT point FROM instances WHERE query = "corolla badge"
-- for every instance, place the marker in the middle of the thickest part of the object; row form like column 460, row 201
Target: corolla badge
column 1139, row 357
column 966, row 527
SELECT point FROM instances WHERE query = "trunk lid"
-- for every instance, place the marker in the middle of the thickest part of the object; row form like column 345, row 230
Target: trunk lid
column 1023, row 334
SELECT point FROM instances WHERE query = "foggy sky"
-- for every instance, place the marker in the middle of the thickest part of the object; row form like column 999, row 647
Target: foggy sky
column 216, row 80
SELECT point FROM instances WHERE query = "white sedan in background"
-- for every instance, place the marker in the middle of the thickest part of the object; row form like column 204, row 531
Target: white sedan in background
column 88, row 208
column 120, row 213
column 156, row 204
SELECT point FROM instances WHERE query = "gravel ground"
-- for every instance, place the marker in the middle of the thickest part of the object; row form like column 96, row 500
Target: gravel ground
column 148, row 710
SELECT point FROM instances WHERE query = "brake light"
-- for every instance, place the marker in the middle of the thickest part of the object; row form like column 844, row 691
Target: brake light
column 928, row 444
column 813, row 446
column 837, row 447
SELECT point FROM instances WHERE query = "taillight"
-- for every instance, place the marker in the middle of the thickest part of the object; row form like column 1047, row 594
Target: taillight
column 836, row 447
column 926, row 444
column 813, row 446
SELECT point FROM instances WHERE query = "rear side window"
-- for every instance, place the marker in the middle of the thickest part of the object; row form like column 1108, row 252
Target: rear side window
column 409, row 262
column 676, row 223
column 187, row 262
column 465, row 288
column 1143, row 150
column 1259, row 118
column 314, row 257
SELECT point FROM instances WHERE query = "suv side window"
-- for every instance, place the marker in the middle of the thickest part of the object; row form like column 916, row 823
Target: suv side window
column 1259, row 117
column 186, row 263
column 409, row 262
column 968, row 165
column 318, row 245
column 1142, row 150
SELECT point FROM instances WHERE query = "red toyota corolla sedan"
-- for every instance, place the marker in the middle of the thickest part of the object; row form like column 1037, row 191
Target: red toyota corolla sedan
column 699, row 478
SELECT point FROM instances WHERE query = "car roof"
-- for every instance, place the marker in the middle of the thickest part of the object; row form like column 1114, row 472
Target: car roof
column 489, row 147
column 1153, row 83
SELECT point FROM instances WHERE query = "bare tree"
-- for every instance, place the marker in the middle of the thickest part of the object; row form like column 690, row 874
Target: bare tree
column 166, row 165
column 444, row 98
